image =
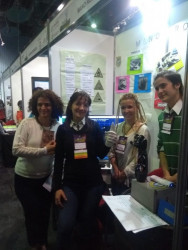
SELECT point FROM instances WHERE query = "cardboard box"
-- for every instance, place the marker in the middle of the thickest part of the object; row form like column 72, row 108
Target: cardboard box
column 149, row 196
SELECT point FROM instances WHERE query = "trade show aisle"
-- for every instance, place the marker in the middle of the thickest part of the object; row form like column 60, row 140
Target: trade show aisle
column 12, row 230
column 12, row 227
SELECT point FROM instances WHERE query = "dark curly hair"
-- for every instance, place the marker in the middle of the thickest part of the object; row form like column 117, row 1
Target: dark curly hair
column 77, row 96
column 56, row 102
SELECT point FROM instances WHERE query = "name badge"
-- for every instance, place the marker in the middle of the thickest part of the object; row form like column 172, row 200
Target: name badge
column 167, row 123
column 80, row 149
column 120, row 148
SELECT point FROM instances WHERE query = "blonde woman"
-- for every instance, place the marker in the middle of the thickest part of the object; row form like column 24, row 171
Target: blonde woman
column 124, row 155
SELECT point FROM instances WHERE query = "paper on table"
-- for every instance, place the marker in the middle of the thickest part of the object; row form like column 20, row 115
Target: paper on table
column 131, row 214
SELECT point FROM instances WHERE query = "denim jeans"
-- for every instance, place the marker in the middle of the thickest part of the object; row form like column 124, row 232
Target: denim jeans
column 80, row 208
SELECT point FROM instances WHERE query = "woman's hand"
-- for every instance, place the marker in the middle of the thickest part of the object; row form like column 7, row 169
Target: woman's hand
column 51, row 147
column 60, row 197
column 122, row 176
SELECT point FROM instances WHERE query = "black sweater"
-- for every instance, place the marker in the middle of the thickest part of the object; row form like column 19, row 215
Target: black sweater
column 79, row 172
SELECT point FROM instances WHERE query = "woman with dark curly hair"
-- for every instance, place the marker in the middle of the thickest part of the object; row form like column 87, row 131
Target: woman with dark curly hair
column 34, row 144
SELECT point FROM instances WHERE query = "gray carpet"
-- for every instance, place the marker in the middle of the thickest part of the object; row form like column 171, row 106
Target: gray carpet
column 12, row 227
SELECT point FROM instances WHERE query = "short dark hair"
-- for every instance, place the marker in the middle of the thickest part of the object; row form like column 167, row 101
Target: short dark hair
column 56, row 102
column 77, row 96
column 173, row 77
column 36, row 89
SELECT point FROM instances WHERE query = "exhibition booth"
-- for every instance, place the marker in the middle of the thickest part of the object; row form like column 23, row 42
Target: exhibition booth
column 67, row 55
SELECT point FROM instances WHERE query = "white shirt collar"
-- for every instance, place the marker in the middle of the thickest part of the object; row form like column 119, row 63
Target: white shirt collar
column 75, row 125
column 177, row 107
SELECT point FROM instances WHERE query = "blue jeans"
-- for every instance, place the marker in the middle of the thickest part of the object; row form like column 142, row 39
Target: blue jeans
column 81, row 207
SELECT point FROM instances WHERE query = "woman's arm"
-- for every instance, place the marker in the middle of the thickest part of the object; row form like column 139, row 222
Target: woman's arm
column 59, row 160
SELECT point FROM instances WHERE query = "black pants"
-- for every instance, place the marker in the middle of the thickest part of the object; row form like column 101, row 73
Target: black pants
column 36, row 202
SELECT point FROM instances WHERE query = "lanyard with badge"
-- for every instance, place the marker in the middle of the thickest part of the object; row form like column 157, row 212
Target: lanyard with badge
column 167, row 123
column 80, row 149
column 120, row 147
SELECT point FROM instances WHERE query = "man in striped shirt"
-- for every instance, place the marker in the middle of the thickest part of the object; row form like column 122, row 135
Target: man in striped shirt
column 169, row 87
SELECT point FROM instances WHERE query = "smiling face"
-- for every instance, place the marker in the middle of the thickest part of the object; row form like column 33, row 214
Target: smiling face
column 79, row 109
column 129, row 110
column 44, row 108
column 167, row 91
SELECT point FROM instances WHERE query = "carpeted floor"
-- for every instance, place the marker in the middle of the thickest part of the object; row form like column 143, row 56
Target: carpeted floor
column 12, row 227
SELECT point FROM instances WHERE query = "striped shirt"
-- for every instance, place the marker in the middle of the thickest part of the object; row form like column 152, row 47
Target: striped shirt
column 169, row 143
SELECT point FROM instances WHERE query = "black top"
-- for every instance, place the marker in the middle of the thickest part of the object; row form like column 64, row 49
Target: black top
column 78, row 172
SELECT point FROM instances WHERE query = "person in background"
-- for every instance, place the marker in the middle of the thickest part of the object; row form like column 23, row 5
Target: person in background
column 169, row 87
column 2, row 111
column 34, row 145
column 2, row 131
column 124, row 155
column 79, row 142
column 34, row 91
column 19, row 113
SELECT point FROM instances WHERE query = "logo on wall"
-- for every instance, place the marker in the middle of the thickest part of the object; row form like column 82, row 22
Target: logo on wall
column 99, row 86
column 118, row 61
column 97, row 98
column 98, row 73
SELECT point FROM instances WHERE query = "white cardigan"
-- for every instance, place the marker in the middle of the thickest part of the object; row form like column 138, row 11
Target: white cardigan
column 33, row 161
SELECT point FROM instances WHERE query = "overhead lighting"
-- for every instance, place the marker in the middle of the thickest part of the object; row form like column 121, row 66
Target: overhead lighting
column 2, row 43
column 60, row 7
column 93, row 25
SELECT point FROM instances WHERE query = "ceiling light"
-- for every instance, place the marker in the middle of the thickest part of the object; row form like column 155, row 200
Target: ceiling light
column 94, row 25
column 2, row 43
column 60, row 7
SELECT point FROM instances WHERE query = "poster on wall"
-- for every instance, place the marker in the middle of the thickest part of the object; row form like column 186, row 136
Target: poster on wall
column 135, row 64
column 142, row 83
column 158, row 104
column 86, row 71
column 122, row 84
column 170, row 60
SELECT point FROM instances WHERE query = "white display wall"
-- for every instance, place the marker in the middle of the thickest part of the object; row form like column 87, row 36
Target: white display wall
column 36, row 68
column 153, row 46
column 86, row 42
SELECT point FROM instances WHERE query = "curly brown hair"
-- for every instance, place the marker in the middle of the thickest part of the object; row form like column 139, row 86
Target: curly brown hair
column 56, row 102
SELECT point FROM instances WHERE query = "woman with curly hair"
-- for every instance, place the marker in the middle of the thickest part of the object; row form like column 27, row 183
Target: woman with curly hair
column 34, row 144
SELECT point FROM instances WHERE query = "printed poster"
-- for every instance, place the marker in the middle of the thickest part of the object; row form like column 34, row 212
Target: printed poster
column 142, row 83
column 170, row 60
column 122, row 84
column 135, row 64
column 158, row 104
column 84, row 71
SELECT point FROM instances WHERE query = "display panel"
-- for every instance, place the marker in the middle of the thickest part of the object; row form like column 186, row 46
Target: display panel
column 42, row 82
